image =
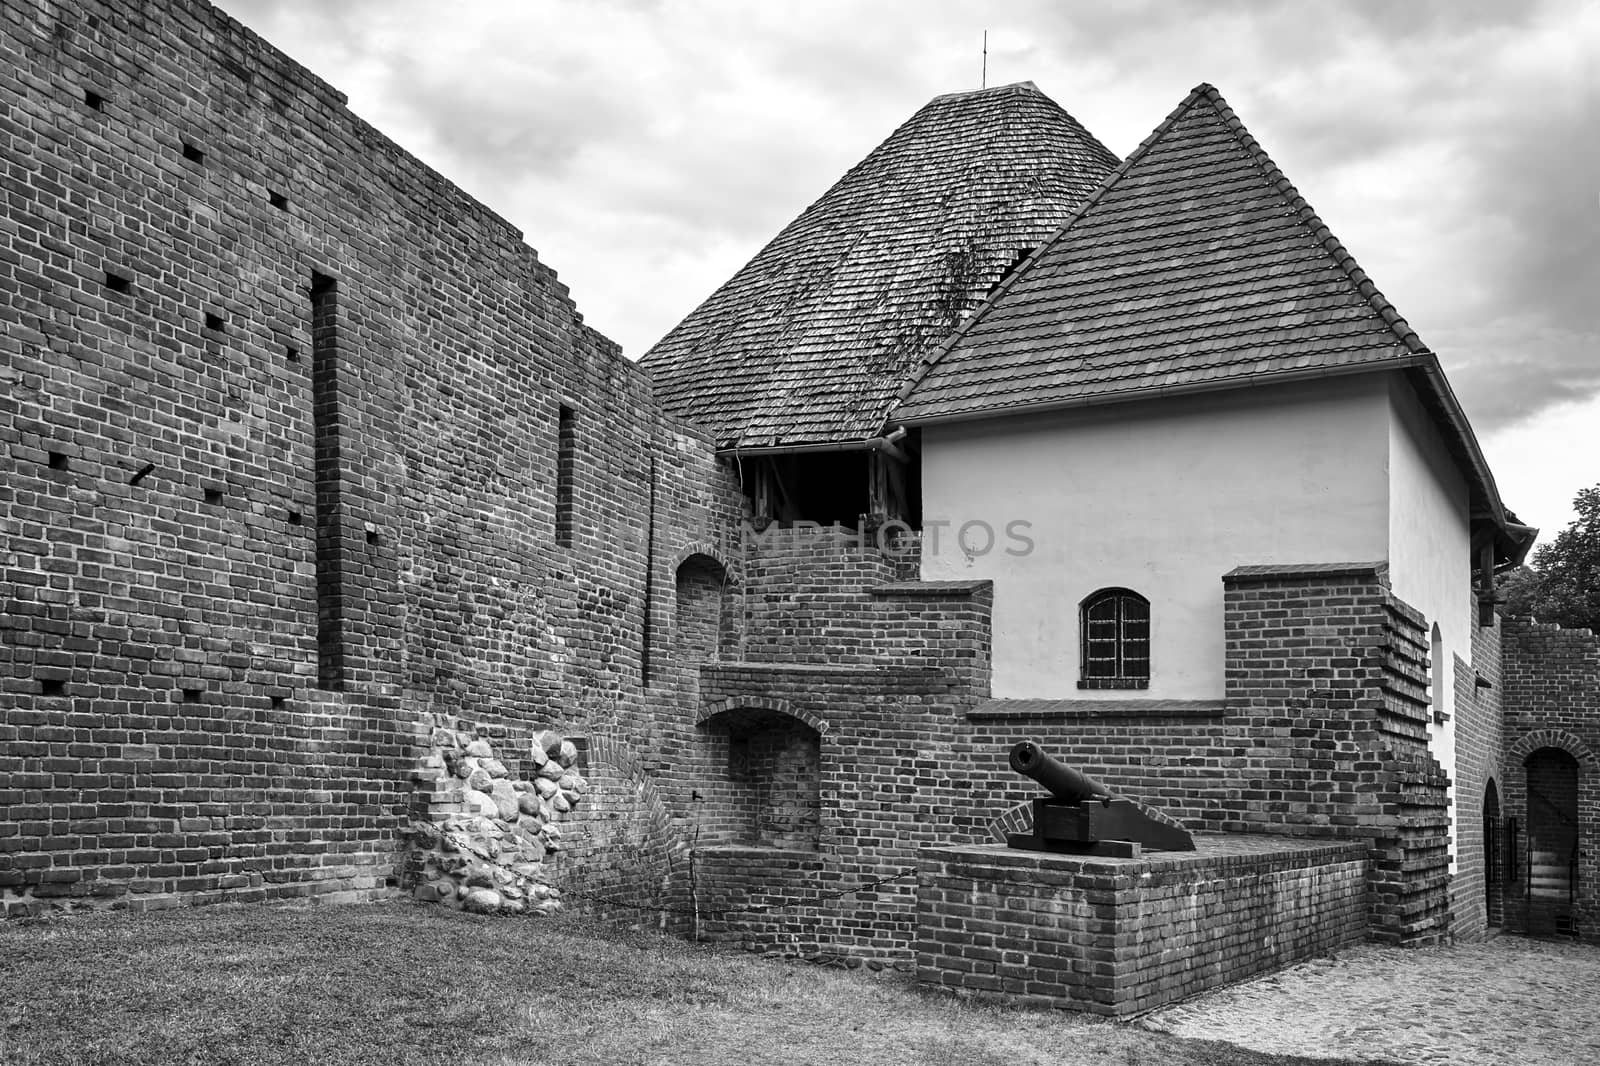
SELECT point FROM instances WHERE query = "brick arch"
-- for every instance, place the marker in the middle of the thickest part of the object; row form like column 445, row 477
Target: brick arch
column 730, row 569
column 610, row 751
column 761, row 703
column 1553, row 738
column 1493, row 778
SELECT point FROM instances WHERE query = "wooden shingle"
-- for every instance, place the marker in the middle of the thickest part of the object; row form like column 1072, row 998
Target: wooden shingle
column 811, row 341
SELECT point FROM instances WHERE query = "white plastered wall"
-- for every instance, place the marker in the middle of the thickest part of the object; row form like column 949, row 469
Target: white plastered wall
column 1430, row 551
column 1163, row 497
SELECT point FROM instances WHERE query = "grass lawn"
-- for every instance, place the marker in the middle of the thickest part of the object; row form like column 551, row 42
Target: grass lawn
column 400, row 983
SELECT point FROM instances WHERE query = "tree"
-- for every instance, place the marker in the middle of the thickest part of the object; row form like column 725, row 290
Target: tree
column 1563, row 583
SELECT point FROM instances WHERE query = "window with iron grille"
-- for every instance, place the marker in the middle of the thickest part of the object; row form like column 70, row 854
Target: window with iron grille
column 1114, row 627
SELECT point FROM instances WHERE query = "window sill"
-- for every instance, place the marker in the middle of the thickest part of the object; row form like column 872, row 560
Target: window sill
column 1114, row 683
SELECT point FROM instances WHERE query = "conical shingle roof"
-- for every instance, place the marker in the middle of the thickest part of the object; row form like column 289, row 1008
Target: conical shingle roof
column 813, row 338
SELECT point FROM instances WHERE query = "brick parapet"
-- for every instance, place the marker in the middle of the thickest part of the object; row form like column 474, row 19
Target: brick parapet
column 1120, row 936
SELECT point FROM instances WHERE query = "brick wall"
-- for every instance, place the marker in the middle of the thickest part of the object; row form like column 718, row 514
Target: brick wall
column 284, row 471
column 1328, row 659
column 1322, row 733
column 841, row 653
column 699, row 592
column 1551, row 689
column 620, row 859
column 885, row 788
column 1480, row 760
column 1118, row 936
column 804, row 598
column 302, row 446
column 770, row 900
column 769, row 792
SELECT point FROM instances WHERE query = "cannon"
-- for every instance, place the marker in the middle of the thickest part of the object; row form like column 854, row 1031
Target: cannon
column 1081, row 816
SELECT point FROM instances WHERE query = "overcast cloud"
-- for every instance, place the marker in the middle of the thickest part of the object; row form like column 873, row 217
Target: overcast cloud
column 647, row 149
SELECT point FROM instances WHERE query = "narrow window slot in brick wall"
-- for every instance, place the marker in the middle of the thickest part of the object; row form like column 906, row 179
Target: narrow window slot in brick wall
column 193, row 153
column 193, row 695
column 57, row 461
column 94, row 100
column 566, row 470
column 294, row 518
column 646, row 632
column 215, row 321
column 213, row 497
column 329, row 513
column 52, row 686
column 278, row 200
column 118, row 282
column 372, row 536
column 277, row 702
column 291, row 353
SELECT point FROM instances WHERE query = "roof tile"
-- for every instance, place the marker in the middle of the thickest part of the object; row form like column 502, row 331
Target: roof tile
column 1195, row 263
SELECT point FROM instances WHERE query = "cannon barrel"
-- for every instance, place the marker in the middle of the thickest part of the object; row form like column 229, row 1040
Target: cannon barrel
column 1061, row 780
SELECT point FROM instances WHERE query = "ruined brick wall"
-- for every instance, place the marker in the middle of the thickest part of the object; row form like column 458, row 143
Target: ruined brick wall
column 1551, row 690
column 301, row 444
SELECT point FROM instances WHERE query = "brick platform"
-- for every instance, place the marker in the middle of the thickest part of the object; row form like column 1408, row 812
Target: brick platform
column 1119, row 936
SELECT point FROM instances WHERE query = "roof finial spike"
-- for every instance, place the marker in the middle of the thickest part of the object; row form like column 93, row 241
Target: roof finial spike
column 983, row 82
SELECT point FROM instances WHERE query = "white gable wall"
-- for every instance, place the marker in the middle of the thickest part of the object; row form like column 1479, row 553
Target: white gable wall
column 1162, row 497
column 1430, row 551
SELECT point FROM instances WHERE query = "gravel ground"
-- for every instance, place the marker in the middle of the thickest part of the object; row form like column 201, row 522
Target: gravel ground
column 1508, row 1000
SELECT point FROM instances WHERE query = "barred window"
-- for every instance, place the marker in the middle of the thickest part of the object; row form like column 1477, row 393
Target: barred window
column 1115, row 640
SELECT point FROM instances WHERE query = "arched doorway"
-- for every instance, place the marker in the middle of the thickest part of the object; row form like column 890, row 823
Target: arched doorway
column 1493, row 855
column 1552, row 862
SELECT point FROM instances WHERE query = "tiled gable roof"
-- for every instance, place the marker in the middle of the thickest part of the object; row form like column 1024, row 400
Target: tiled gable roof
column 1196, row 265
column 812, row 339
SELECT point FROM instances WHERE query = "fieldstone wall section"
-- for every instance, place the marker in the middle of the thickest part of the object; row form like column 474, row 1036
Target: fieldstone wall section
column 1118, row 936
column 480, row 842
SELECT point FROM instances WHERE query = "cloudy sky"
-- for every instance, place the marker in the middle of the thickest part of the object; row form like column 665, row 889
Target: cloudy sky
column 647, row 148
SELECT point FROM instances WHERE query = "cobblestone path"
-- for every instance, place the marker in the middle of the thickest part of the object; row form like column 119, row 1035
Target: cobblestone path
column 1507, row 1001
